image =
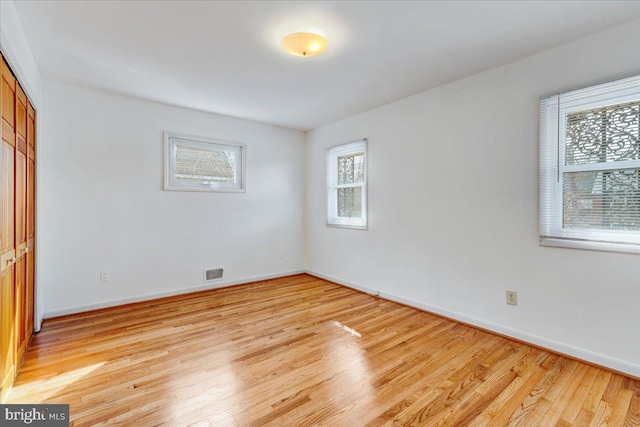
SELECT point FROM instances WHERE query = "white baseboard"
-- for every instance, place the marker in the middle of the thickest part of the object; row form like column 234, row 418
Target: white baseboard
column 348, row 284
column 579, row 353
column 172, row 292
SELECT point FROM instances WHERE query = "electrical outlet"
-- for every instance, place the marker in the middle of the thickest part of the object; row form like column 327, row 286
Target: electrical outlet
column 512, row 298
column 281, row 256
column 105, row 276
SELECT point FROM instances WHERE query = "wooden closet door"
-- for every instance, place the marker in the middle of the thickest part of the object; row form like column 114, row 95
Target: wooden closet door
column 7, row 228
column 21, row 223
column 31, row 219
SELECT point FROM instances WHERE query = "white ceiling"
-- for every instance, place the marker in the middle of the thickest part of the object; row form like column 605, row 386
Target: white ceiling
column 225, row 57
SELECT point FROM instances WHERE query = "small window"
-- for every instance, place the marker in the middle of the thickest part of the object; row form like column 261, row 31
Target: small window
column 590, row 168
column 347, row 185
column 203, row 164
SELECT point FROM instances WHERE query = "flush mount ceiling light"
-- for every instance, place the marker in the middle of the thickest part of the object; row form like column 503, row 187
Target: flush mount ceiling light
column 304, row 44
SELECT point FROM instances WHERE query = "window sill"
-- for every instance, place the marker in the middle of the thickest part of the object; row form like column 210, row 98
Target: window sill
column 353, row 227
column 590, row 245
column 205, row 189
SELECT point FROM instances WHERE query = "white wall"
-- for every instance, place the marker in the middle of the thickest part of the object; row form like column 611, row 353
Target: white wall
column 453, row 205
column 17, row 52
column 101, row 190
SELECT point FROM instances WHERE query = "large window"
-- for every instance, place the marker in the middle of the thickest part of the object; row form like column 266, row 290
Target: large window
column 347, row 185
column 203, row 164
column 590, row 168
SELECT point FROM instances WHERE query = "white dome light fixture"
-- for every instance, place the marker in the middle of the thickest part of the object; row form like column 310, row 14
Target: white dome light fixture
column 304, row 44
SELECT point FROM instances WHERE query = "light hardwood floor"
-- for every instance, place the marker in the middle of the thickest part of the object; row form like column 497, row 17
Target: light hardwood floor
column 302, row 351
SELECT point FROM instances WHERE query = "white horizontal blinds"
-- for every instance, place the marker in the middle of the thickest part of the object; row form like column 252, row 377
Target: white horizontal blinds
column 203, row 164
column 590, row 169
column 548, row 161
column 602, row 194
column 604, row 200
column 194, row 164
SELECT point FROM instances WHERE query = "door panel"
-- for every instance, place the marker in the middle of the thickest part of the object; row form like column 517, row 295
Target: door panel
column 7, row 228
column 7, row 346
column 7, row 267
column 31, row 220
column 30, row 293
column 20, row 222
column 20, row 272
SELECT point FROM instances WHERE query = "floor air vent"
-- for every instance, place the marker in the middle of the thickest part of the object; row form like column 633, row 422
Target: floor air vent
column 211, row 275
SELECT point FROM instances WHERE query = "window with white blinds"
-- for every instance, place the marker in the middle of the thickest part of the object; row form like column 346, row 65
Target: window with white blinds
column 590, row 168
column 203, row 164
column 347, row 185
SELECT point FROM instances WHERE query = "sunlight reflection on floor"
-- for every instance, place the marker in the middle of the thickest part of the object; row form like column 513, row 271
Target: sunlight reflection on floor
column 346, row 328
column 46, row 388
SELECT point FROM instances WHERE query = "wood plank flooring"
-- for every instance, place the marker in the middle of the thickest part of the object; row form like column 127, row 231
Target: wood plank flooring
column 300, row 351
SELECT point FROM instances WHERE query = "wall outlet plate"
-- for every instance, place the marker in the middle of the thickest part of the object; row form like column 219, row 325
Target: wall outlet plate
column 105, row 276
column 512, row 298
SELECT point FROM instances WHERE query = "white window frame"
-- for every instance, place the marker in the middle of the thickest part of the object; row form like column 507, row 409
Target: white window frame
column 171, row 139
column 333, row 220
column 553, row 113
